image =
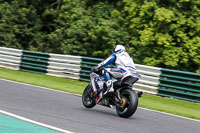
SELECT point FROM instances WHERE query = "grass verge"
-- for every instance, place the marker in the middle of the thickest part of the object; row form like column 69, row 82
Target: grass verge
column 173, row 106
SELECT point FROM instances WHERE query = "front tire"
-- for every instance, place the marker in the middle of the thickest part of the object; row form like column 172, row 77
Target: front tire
column 87, row 99
column 131, row 104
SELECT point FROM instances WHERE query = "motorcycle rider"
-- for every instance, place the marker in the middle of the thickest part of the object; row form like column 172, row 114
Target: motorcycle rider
column 124, row 66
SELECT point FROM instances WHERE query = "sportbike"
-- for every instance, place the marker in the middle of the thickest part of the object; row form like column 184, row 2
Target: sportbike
column 124, row 99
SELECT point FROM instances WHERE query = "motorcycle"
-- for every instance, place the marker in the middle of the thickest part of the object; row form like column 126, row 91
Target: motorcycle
column 124, row 99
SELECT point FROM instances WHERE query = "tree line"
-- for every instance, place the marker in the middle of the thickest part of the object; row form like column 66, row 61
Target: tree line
column 162, row 33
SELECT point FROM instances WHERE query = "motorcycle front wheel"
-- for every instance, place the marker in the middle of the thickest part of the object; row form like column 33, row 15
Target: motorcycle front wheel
column 87, row 99
column 129, row 103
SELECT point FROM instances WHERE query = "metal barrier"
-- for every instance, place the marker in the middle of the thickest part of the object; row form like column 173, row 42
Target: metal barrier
column 35, row 62
column 179, row 84
column 87, row 64
column 67, row 66
column 149, row 81
column 10, row 58
column 158, row 81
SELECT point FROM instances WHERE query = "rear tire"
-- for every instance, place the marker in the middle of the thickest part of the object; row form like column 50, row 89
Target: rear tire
column 131, row 103
column 87, row 100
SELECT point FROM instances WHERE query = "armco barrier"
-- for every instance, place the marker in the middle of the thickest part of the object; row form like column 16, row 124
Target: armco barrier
column 150, row 79
column 67, row 66
column 36, row 62
column 180, row 85
column 158, row 81
column 10, row 58
column 87, row 64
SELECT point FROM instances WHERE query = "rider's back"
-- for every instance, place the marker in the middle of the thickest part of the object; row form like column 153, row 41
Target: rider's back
column 124, row 61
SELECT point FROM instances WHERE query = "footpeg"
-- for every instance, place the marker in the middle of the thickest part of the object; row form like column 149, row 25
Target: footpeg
column 140, row 93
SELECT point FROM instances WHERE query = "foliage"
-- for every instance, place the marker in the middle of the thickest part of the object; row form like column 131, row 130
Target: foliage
column 167, row 30
column 157, row 33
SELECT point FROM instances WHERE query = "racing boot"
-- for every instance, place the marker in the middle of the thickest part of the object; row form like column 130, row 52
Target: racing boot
column 109, row 85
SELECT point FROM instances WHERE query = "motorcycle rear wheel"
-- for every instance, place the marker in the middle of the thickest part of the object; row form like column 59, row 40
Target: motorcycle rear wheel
column 131, row 103
column 87, row 100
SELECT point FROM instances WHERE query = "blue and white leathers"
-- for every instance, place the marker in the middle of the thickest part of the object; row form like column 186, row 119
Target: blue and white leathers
column 124, row 61
column 124, row 65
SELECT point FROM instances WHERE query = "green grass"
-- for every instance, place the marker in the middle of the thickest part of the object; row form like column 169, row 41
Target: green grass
column 173, row 106
column 57, row 83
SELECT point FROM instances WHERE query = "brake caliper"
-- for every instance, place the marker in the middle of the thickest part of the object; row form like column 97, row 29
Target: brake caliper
column 123, row 102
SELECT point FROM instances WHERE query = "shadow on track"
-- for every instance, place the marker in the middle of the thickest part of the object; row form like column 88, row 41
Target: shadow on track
column 105, row 112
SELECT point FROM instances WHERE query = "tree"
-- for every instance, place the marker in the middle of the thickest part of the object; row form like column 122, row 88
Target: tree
column 167, row 30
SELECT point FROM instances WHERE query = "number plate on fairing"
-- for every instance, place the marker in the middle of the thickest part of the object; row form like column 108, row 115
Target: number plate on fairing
column 100, row 81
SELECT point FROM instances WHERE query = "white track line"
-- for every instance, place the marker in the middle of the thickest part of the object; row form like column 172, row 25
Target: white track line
column 35, row 122
column 170, row 114
column 80, row 96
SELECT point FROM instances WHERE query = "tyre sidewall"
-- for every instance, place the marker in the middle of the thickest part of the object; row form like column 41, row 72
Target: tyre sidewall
column 85, row 104
column 132, row 106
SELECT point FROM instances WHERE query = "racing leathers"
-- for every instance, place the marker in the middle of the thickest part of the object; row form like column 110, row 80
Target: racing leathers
column 124, row 65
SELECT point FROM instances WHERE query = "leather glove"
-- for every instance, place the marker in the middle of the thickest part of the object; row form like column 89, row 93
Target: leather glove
column 95, row 69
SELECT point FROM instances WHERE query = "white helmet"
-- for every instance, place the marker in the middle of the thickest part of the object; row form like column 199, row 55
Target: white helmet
column 118, row 49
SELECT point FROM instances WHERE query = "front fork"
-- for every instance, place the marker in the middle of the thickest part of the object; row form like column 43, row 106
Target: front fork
column 92, row 83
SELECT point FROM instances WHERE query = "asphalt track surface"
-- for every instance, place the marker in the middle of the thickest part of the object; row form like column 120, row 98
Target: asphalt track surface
column 65, row 111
